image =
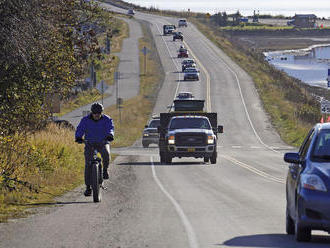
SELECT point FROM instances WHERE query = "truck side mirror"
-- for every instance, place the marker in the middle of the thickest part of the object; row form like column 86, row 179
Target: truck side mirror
column 220, row 129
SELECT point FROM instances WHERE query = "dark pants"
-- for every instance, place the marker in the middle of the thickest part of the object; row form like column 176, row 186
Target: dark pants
column 102, row 148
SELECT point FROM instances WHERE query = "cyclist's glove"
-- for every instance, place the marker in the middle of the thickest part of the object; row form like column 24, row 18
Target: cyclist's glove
column 109, row 138
column 79, row 140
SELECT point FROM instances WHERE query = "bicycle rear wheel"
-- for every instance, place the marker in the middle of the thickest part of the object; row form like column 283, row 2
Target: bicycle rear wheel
column 96, row 186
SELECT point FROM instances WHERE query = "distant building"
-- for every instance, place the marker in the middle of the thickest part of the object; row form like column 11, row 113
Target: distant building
column 303, row 21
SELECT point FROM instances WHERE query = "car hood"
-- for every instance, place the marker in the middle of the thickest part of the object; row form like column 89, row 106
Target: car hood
column 191, row 130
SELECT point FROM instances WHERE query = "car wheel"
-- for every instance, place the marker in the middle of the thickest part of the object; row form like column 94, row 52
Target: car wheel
column 145, row 145
column 206, row 159
column 301, row 233
column 289, row 223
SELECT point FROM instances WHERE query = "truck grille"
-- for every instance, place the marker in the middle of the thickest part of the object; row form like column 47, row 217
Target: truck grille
column 190, row 139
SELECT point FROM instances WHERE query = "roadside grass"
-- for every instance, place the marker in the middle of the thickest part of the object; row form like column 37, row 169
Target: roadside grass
column 51, row 163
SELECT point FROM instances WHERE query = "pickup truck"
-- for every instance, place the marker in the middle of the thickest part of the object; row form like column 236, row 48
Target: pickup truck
column 177, row 36
column 188, row 132
column 168, row 29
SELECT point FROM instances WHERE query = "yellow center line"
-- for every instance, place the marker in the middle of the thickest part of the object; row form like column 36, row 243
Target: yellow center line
column 208, row 81
column 254, row 170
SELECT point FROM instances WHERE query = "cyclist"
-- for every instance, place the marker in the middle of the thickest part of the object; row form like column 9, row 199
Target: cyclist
column 98, row 130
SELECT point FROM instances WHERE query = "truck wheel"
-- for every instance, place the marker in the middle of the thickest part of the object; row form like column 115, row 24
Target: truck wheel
column 214, row 158
column 206, row 159
column 162, row 159
column 168, row 160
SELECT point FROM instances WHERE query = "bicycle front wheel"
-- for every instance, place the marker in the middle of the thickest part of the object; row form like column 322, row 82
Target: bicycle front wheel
column 96, row 186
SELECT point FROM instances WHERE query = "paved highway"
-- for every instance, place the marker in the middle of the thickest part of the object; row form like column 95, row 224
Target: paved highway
column 239, row 202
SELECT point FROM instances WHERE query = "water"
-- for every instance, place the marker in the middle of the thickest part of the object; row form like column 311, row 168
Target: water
column 309, row 65
column 321, row 8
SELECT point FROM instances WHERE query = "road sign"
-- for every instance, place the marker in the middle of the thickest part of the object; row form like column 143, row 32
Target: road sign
column 102, row 86
column 144, row 50
column 325, row 107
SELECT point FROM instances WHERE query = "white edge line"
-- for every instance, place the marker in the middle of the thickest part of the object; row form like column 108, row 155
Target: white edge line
column 186, row 223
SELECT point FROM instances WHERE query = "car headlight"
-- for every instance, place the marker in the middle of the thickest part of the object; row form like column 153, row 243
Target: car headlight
column 171, row 140
column 145, row 134
column 312, row 182
column 210, row 139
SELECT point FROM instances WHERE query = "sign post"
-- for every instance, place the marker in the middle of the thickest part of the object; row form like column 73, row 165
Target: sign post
column 101, row 87
column 145, row 51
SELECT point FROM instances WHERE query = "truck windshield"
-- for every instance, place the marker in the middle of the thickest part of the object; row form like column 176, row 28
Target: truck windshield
column 154, row 124
column 185, row 123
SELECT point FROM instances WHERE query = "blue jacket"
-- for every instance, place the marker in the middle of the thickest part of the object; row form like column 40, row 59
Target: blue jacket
column 95, row 131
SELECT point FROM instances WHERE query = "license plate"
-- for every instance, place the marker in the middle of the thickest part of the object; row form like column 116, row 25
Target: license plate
column 191, row 149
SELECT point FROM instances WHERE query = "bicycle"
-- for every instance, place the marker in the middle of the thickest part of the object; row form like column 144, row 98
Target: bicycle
column 96, row 175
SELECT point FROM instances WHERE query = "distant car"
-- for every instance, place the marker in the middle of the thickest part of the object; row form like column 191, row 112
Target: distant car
column 183, row 53
column 185, row 96
column 130, row 12
column 150, row 133
column 187, row 63
column 191, row 74
column 177, row 36
column 183, row 23
column 308, row 185
column 290, row 22
column 244, row 19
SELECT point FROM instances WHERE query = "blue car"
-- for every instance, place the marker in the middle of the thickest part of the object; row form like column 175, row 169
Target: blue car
column 308, row 185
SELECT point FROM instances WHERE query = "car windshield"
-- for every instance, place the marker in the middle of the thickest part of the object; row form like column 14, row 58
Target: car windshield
column 184, row 95
column 185, row 123
column 154, row 124
column 321, row 148
column 190, row 70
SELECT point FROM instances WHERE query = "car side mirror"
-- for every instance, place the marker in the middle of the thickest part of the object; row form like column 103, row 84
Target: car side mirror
column 146, row 126
column 220, row 129
column 292, row 157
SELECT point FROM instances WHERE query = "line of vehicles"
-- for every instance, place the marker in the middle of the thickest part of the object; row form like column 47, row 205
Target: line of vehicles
column 186, row 130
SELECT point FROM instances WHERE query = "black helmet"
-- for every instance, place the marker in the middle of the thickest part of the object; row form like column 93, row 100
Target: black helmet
column 97, row 108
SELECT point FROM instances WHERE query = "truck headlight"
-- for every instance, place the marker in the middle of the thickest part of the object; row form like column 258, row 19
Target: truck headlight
column 171, row 140
column 145, row 134
column 210, row 140
column 312, row 182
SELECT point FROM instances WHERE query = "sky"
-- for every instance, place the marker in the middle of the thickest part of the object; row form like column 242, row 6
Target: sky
column 276, row 6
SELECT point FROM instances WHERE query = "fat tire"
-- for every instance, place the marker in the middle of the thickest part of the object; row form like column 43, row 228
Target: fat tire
column 96, row 182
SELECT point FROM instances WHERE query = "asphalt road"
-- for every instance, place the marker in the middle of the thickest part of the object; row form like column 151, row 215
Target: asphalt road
column 239, row 202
